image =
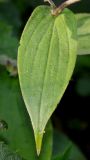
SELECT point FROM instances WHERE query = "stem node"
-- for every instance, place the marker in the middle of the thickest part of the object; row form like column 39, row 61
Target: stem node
column 56, row 10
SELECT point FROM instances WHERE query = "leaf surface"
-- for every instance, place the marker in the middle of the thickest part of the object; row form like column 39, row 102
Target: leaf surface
column 83, row 34
column 46, row 59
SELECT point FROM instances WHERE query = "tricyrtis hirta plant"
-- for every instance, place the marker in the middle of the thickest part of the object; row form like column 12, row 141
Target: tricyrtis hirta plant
column 46, row 60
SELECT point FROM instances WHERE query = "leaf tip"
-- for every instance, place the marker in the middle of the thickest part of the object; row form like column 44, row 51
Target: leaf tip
column 38, row 139
column 38, row 151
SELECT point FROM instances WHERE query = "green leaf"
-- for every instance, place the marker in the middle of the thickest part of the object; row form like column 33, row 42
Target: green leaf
column 46, row 60
column 7, row 154
column 83, row 33
column 64, row 149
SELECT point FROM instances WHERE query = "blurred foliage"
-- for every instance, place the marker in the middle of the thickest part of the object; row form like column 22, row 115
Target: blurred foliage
column 8, row 43
column 6, row 154
column 82, row 74
column 64, row 149
column 10, row 14
column 19, row 135
column 3, row 0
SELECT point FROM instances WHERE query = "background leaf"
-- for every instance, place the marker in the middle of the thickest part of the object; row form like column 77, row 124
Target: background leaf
column 7, row 154
column 64, row 149
column 83, row 33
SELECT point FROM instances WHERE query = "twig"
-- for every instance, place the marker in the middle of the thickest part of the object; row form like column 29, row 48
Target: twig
column 59, row 9
column 51, row 3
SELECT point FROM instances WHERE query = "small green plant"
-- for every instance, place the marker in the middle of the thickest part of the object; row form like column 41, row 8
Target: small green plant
column 46, row 60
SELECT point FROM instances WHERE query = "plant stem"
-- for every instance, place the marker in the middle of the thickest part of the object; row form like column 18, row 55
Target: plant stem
column 51, row 3
column 61, row 7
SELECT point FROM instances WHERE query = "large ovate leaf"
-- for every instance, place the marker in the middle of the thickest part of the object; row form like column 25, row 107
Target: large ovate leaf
column 46, row 60
column 83, row 33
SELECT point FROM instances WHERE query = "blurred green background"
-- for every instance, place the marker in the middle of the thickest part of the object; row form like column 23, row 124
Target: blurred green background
column 72, row 116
